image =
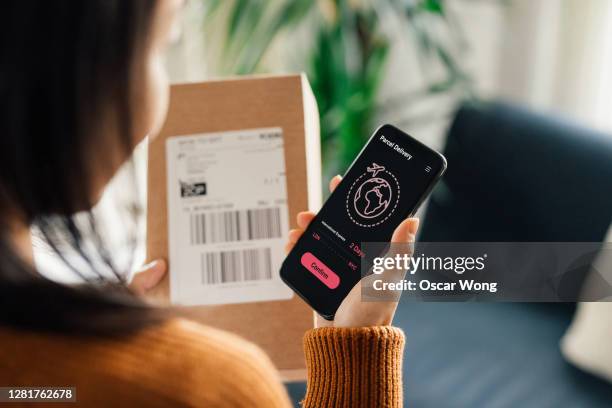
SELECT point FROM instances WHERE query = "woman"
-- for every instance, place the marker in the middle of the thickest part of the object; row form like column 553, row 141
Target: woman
column 81, row 83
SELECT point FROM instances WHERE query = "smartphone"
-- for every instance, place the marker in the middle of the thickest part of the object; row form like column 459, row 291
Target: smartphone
column 384, row 185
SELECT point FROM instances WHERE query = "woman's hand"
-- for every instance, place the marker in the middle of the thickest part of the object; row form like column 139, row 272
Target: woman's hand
column 352, row 311
column 147, row 277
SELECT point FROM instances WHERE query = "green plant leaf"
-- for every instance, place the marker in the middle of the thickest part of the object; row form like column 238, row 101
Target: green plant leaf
column 347, row 63
column 433, row 6
column 211, row 7
column 288, row 15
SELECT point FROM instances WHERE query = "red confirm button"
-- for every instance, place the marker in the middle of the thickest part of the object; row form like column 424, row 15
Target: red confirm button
column 320, row 270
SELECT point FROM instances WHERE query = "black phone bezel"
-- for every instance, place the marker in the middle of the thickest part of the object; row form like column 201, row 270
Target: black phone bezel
column 423, row 149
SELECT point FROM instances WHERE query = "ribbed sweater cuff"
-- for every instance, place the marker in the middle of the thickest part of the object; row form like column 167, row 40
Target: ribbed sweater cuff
column 354, row 367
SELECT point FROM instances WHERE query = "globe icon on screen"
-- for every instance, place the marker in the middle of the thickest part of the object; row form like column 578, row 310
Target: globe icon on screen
column 372, row 197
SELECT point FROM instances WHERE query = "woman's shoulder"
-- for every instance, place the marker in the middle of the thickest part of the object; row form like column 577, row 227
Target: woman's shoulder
column 205, row 341
column 210, row 365
column 178, row 361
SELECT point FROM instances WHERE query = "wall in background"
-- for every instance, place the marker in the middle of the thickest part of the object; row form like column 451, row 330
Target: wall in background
column 558, row 58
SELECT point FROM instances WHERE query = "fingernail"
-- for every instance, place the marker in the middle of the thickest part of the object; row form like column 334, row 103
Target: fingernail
column 150, row 265
column 413, row 226
column 156, row 268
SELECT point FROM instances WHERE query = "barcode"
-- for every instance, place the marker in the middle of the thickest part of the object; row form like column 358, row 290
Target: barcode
column 238, row 225
column 236, row 266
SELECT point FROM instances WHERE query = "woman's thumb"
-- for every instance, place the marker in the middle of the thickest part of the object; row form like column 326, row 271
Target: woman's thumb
column 148, row 276
column 406, row 231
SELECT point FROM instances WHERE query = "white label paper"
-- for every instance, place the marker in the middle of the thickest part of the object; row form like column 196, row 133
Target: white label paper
column 227, row 217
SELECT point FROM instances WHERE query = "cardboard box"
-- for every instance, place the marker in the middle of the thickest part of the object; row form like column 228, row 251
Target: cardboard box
column 246, row 103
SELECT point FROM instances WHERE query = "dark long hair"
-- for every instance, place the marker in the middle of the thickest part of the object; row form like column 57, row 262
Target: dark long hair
column 63, row 65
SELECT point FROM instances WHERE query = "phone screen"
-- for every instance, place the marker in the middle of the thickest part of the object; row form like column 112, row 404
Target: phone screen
column 385, row 184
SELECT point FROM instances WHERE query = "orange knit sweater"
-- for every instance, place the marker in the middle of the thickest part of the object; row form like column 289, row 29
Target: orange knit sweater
column 184, row 364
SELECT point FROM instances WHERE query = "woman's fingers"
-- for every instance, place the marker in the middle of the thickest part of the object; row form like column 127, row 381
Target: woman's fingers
column 294, row 235
column 148, row 276
column 304, row 218
column 289, row 246
column 402, row 240
column 333, row 183
column 406, row 231
column 402, row 243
